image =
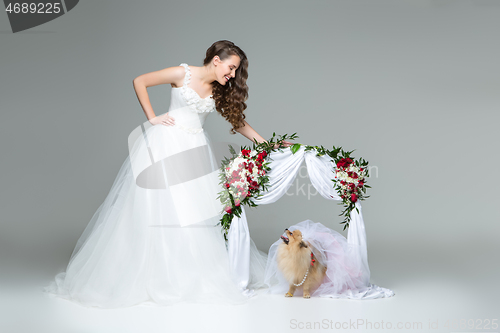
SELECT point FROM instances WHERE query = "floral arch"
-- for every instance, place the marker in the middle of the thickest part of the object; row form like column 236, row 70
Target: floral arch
column 324, row 168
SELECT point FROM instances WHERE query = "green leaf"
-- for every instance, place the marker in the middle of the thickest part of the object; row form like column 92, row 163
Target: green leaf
column 231, row 150
column 295, row 148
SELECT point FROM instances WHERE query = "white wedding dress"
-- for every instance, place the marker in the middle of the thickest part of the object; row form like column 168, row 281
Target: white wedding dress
column 154, row 239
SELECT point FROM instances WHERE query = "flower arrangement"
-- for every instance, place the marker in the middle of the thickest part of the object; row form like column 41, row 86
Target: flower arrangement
column 244, row 177
column 241, row 177
column 350, row 182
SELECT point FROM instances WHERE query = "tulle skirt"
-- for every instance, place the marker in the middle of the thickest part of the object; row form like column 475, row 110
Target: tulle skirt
column 154, row 239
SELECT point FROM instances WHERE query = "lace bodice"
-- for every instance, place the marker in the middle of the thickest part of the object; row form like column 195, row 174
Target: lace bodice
column 187, row 107
column 192, row 98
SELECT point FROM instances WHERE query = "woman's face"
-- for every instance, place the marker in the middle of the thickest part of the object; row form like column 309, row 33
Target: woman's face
column 226, row 69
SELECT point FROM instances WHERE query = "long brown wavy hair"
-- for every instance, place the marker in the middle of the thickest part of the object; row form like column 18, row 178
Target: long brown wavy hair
column 230, row 98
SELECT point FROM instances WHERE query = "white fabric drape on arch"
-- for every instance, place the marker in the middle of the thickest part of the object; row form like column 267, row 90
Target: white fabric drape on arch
column 284, row 169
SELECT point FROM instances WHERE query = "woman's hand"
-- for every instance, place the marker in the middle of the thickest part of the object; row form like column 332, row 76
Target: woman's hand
column 164, row 119
column 284, row 143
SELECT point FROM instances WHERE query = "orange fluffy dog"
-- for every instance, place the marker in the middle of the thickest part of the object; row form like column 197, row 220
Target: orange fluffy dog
column 298, row 264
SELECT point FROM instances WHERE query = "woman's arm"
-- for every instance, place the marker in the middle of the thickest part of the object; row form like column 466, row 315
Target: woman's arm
column 248, row 132
column 142, row 82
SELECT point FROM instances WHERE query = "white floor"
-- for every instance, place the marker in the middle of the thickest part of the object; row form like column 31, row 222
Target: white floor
column 441, row 291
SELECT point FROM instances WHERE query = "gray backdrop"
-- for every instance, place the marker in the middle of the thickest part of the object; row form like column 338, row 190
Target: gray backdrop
column 413, row 86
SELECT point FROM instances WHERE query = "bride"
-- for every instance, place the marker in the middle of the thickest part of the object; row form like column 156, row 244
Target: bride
column 155, row 240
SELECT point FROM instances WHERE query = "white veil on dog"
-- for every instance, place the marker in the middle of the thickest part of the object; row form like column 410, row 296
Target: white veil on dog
column 346, row 277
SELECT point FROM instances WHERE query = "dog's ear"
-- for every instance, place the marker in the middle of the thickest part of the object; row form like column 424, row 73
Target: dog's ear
column 302, row 244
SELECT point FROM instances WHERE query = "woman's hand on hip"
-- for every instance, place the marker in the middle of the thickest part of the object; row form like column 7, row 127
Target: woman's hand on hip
column 164, row 119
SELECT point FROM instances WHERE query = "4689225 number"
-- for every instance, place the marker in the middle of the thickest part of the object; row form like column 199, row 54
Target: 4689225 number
column 33, row 8
column 476, row 324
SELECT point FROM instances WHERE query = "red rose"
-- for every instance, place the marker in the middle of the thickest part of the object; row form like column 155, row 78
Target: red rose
column 228, row 210
column 354, row 197
column 344, row 162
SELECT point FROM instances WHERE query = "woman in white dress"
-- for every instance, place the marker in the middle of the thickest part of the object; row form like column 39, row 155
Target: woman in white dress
column 154, row 239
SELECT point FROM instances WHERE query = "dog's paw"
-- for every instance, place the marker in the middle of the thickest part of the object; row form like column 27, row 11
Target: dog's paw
column 307, row 295
column 288, row 295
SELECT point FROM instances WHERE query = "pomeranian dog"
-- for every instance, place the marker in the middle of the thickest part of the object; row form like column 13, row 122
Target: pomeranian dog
column 298, row 264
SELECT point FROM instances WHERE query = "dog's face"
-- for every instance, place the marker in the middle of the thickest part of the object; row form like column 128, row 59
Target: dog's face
column 293, row 238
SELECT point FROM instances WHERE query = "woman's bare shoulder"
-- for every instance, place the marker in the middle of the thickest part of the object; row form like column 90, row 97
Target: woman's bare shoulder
column 178, row 72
